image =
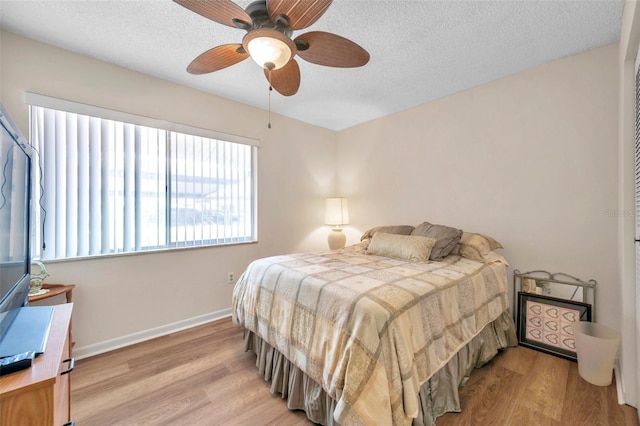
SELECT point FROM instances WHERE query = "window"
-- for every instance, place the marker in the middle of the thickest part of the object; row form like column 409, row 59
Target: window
column 134, row 184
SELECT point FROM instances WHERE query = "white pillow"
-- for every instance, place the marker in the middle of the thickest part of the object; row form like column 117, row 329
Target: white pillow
column 476, row 247
column 415, row 248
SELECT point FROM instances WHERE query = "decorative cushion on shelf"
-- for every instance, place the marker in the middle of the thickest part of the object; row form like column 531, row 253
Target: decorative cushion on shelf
column 446, row 236
column 411, row 247
column 476, row 246
column 388, row 229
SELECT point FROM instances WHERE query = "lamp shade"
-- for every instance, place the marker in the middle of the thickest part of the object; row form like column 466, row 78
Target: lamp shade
column 336, row 212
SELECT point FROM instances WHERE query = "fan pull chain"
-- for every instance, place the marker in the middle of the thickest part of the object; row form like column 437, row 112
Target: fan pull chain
column 270, row 90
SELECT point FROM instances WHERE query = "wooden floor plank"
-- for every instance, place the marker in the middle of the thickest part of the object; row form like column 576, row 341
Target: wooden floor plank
column 177, row 410
column 546, row 385
column 202, row 376
column 584, row 403
column 487, row 398
column 520, row 360
column 524, row 415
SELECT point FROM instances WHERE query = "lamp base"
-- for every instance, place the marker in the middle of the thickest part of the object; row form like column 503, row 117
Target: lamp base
column 337, row 239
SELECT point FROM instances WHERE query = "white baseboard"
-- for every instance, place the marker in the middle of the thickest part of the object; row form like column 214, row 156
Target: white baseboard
column 120, row 342
column 619, row 384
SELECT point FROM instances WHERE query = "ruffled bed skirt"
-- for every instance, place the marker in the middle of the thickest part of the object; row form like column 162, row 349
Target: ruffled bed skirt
column 438, row 395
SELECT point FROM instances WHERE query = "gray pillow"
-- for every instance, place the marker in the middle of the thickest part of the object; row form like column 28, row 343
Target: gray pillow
column 446, row 236
column 388, row 229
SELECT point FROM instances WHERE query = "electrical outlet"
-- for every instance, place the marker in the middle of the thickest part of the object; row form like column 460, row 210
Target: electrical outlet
column 230, row 277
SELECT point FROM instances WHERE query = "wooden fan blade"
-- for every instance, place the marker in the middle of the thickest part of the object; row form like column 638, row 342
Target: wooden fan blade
column 285, row 80
column 221, row 11
column 332, row 50
column 217, row 58
column 299, row 13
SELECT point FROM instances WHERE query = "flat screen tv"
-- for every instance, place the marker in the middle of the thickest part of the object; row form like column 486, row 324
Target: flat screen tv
column 15, row 256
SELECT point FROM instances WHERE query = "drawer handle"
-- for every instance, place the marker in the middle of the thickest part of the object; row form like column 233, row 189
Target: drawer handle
column 71, row 423
column 72, row 363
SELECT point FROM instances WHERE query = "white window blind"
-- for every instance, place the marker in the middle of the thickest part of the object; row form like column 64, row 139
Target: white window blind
column 111, row 186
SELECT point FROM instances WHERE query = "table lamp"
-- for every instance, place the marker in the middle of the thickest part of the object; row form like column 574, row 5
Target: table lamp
column 336, row 216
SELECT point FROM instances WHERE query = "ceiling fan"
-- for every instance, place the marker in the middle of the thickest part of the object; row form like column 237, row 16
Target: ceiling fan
column 270, row 25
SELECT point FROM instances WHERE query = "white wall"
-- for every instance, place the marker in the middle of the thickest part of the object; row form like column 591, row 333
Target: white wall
column 530, row 159
column 121, row 296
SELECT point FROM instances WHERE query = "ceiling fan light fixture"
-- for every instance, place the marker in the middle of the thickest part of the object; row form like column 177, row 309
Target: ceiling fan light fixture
column 269, row 48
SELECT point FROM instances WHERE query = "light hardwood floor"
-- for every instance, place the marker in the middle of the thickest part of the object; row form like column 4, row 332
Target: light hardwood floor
column 201, row 376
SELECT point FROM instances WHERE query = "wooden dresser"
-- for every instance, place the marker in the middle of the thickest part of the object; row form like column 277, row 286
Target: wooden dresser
column 40, row 395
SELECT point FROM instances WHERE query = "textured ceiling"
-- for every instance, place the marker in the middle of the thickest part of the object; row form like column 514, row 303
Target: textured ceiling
column 420, row 50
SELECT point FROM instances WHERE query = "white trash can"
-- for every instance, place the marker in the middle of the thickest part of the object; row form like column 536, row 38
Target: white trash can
column 596, row 348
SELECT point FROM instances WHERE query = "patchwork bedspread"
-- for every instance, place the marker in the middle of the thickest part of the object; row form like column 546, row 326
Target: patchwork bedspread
column 370, row 329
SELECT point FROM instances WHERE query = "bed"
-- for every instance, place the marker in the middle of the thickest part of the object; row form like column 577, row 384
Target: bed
column 376, row 333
